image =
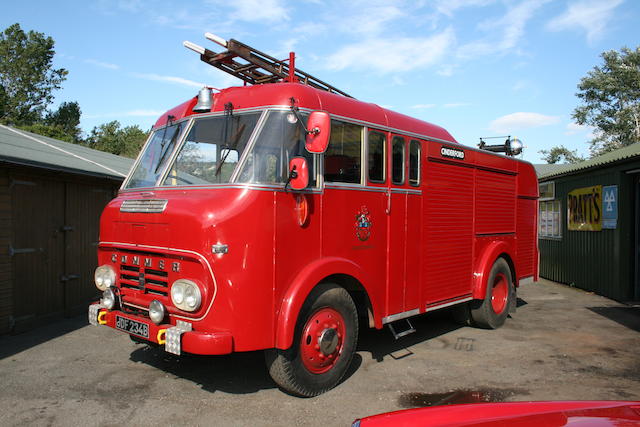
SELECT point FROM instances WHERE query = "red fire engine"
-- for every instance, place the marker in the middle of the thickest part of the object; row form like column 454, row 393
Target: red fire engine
column 284, row 215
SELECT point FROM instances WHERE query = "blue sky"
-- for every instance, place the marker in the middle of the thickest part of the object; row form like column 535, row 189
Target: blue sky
column 476, row 67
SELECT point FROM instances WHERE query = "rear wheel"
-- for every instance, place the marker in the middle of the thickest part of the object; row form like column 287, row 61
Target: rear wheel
column 324, row 343
column 492, row 312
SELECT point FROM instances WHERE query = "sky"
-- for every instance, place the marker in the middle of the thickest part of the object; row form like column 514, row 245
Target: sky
column 478, row 68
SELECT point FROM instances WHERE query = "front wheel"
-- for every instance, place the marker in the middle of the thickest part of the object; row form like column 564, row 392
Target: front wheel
column 324, row 343
column 492, row 312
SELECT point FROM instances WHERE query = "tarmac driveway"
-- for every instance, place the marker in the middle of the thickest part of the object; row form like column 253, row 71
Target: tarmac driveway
column 562, row 343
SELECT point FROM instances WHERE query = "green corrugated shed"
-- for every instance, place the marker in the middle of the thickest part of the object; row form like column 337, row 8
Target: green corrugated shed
column 606, row 261
column 25, row 148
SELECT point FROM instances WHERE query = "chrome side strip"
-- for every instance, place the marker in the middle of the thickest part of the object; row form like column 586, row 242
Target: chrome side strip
column 447, row 304
column 400, row 316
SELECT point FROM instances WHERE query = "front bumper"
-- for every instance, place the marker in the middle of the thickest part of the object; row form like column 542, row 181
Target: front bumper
column 177, row 339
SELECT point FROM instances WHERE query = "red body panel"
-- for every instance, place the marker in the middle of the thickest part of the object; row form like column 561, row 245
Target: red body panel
column 426, row 246
column 522, row 414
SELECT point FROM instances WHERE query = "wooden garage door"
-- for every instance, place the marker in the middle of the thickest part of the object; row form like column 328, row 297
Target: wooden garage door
column 37, row 246
column 84, row 204
column 54, row 243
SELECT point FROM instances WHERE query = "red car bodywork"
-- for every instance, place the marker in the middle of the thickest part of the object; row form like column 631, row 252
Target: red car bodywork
column 521, row 414
column 428, row 247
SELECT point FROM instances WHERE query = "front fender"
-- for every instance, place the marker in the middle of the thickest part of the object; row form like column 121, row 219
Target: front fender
column 300, row 288
column 483, row 266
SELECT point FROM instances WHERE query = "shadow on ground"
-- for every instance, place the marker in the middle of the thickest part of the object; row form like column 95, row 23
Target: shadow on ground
column 13, row 344
column 626, row 316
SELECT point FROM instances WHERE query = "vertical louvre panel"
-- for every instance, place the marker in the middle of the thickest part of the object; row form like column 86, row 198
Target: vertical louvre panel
column 495, row 202
column 448, row 230
column 526, row 230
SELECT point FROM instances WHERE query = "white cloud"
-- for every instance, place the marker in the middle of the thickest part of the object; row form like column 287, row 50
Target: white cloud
column 447, row 7
column 591, row 16
column 385, row 54
column 371, row 19
column 102, row 64
column 520, row 121
column 575, row 128
column 256, row 10
column 423, row 106
column 510, row 28
column 169, row 79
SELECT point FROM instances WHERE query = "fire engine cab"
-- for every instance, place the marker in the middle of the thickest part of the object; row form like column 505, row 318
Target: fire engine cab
column 284, row 215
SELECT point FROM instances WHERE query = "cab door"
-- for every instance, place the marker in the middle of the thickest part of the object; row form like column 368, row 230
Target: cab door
column 396, row 225
column 354, row 224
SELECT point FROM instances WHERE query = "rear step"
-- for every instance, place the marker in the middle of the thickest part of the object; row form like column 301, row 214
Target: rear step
column 404, row 326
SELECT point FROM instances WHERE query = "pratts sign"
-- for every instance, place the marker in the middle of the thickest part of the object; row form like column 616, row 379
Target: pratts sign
column 452, row 153
column 585, row 208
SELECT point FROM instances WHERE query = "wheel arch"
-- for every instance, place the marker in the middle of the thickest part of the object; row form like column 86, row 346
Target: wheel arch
column 340, row 271
column 495, row 250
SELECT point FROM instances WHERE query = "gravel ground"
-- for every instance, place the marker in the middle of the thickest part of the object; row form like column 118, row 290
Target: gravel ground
column 562, row 343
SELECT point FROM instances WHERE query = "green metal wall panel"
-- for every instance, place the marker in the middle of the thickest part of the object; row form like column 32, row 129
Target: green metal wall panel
column 598, row 261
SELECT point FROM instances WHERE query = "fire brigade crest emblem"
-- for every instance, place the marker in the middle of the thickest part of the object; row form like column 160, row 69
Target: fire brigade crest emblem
column 363, row 224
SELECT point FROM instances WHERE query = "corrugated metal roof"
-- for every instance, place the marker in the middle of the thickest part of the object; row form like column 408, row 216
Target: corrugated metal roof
column 627, row 152
column 26, row 148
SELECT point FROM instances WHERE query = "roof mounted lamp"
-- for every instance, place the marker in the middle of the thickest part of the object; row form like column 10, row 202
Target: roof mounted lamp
column 511, row 146
column 204, row 101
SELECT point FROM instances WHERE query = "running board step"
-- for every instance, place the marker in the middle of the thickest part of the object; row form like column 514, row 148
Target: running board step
column 402, row 327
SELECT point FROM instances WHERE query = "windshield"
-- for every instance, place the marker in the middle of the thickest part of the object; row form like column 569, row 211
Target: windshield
column 155, row 156
column 281, row 139
column 212, row 150
column 215, row 145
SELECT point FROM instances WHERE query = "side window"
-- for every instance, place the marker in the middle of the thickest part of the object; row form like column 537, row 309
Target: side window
column 343, row 158
column 376, row 156
column 414, row 163
column 397, row 160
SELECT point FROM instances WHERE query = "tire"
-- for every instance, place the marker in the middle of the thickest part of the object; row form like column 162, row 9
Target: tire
column 492, row 312
column 323, row 346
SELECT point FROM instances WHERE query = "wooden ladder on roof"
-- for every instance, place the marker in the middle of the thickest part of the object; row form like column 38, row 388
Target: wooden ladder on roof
column 255, row 67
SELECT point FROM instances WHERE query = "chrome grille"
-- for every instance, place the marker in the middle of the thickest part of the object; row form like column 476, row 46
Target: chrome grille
column 144, row 205
column 145, row 280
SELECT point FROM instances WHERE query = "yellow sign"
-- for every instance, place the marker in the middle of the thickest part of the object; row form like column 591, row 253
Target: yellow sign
column 584, row 206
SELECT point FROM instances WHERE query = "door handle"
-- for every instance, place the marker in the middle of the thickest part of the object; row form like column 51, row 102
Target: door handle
column 388, row 209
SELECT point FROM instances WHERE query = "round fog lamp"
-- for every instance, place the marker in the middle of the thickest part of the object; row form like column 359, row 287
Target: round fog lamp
column 109, row 298
column 156, row 312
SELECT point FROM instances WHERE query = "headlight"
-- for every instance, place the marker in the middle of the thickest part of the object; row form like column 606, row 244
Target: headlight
column 156, row 312
column 109, row 298
column 104, row 277
column 186, row 295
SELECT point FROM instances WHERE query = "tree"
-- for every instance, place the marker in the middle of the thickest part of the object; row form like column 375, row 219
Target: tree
column 110, row 137
column 27, row 76
column 611, row 101
column 560, row 154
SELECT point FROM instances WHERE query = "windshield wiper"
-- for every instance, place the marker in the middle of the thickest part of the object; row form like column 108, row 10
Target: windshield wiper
column 232, row 146
column 167, row 149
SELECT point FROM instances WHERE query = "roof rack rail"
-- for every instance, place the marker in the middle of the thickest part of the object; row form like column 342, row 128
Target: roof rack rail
column 257, row 67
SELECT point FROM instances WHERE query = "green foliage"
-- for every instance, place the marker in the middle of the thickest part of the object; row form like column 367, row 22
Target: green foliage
column 67, row 118
column 611, row 101
column 110, row 137
column 560, row 154
column 27, row 76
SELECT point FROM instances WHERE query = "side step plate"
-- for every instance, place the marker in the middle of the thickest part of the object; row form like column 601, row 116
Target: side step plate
column 402, row 327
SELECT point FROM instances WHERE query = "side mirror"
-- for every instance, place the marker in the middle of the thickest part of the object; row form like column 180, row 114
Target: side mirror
column 319, row 125
column 298, row 173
